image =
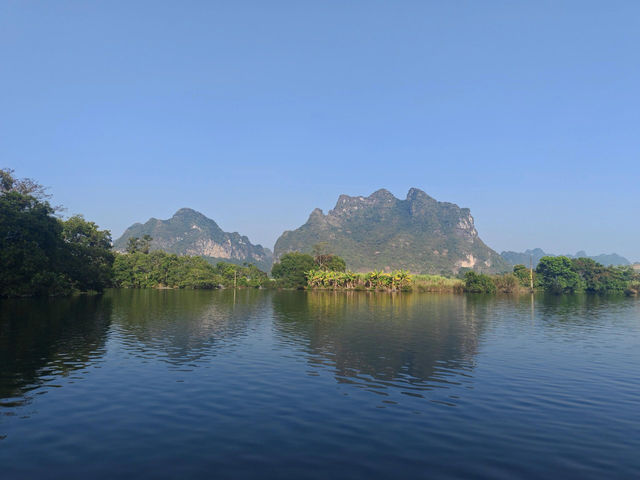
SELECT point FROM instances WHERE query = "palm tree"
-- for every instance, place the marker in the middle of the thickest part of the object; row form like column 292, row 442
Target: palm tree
column 350, row 278
column 386, row 281
column 314, row 278
column 401, row 278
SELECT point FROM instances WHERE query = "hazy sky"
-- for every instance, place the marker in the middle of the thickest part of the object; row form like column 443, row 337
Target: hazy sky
column 254, row 113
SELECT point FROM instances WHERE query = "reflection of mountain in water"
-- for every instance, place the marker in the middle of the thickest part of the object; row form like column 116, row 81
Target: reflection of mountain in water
column 418, row 342
column 183, row 326
column 42, row 338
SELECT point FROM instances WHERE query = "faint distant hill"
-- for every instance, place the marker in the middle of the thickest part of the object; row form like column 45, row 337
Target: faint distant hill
column 515, row 258
column 191, row 233
column 382, row 232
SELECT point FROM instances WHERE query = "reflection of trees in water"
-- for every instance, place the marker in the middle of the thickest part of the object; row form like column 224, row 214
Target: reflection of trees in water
column 576, row 315
column 41, row 338
column 579, row 306
column 181, row 326
column 420, row 341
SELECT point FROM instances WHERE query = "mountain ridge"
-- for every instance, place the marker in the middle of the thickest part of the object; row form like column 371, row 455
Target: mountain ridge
column 383, row 232
column 189, row 232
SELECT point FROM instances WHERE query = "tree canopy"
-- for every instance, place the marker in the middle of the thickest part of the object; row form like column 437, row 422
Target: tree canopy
column 479, row 283
column 291, row 270
column 41, row 254
column 158, row 269
column 556, row 275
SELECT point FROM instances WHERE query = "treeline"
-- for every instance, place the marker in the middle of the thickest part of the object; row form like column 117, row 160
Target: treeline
column 40, row 254
column 328, row 271
column 157, row 269
column 558, row 275
column 43, row 255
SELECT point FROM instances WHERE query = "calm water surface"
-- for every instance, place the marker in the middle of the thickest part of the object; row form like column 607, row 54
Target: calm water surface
column 254, row 384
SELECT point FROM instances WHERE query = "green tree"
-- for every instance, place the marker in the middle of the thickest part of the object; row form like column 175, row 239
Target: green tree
column 145, row 243
column 600, row 279
column 556, row 275
column 290, row 271
column 327, row 261
column 506, row 283
column 331, row 263
column 133, row 245
column 160, row 269
column 88, row 259
column 478, row 283
column 30, row 253
column 523, row 274
column 39, row 253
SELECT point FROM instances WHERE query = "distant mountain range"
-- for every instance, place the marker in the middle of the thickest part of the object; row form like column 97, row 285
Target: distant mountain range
column 515, row 258
column 191, row 233
column 378, row 232
column 383, row 232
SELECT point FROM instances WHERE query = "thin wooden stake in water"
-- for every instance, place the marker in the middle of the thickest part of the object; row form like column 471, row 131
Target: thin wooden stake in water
column 531, row 272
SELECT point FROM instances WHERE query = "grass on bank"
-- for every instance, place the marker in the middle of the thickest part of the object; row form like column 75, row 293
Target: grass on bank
column 436, row 284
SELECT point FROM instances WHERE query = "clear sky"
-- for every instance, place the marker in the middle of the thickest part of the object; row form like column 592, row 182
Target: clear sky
column 254, row 113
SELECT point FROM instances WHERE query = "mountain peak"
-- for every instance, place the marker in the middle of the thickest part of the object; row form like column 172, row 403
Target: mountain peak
column 383, row 232
column 419, row 201
column 316, row 216
column 415, row 194
column 188, row 212
column 382, row 194
column 184, row 211
column 189, row 232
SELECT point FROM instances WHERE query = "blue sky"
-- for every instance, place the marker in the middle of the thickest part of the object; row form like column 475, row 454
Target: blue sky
column 254, row 113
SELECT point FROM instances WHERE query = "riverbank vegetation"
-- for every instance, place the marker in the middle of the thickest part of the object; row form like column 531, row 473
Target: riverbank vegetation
column 376, row 280
column 41, row 254
column 436, row 284
column 558, row 275
column 156, row 269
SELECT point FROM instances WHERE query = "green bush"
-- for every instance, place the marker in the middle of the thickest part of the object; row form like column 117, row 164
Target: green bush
column 291, row 270
column 43, row 255
column 478, row 283
column 507, row 283
column 557, row 275
column 158, row 269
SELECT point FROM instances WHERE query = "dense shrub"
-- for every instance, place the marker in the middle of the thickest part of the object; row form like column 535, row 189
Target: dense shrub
column 291, row 270
column 158, row 269
column 376, row 280
column 506, row 283
column 558, row 276
column 41, row 254
column 479, row 283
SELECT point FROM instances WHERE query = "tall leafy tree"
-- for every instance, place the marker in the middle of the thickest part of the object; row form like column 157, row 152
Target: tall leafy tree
column 556, row 275
column 479, row 283
column 291, row 270
column 39, row 253
column 88, row 257
column 30, row 247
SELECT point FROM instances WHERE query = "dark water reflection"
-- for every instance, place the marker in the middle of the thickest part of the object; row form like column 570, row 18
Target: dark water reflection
column 179, row 328
column 380, row 342
column 254, row 384
column 44, row 339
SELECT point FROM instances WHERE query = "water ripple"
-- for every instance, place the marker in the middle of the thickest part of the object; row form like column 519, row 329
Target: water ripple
column 304, row 385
